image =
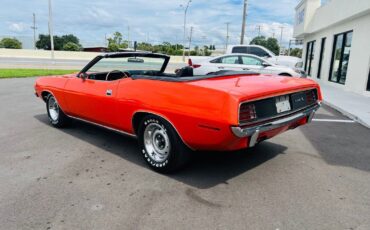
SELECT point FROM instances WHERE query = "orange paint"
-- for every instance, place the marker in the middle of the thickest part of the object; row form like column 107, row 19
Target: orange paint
column 201, row 111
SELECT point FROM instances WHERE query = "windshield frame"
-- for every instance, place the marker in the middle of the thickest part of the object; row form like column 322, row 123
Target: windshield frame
column 124, row 55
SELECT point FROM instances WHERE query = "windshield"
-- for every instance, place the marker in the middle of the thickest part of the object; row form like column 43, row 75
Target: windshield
column 127, row 64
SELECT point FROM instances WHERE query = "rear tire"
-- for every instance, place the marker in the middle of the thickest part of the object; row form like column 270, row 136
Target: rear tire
column 56, row 116
column 161, row 146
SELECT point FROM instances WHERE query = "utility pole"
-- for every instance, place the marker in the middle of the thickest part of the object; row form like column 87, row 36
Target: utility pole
column 281, row 36
column 259, row 30
column 227, row 35
column 184, row 40
column 190, row 37
column 128, row 36
column 290, row 43
column 245, row 8
column 34, row 30
column 51, row 30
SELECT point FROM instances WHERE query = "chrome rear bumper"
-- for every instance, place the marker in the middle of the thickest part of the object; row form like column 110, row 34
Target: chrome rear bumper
column 254, row 131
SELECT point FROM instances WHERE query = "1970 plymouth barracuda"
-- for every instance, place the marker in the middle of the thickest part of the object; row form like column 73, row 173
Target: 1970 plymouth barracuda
column 175, row 114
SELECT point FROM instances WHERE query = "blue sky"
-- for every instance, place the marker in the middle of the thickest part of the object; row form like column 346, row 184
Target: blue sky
column 154, row 21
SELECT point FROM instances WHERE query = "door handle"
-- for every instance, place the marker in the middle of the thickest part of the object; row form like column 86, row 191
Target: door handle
column 108, row 92
column 246, row 69
column 221, row 67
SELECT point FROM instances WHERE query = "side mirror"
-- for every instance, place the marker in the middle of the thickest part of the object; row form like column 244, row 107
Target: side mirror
column 83, row 76
column 265, row 64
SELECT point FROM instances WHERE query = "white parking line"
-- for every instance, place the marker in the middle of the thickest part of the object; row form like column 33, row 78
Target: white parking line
column 334, row 120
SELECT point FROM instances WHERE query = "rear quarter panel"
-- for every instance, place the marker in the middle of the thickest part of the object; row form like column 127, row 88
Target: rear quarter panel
column 200, row 115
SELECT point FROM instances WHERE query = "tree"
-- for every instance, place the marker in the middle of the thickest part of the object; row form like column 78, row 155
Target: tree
column 206, row 52
column 117, row 38
column 112, row 46
column 269, row 43
column 273, row 45
column 115, row 42
column 196, row 50
column 296, row 52
column 259, row 40
column 71, row 46
column 70, row 38
column 59, row 42
column 10, row 43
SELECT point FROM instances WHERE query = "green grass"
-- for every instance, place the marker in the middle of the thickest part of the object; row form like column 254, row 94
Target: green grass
column 16, row 73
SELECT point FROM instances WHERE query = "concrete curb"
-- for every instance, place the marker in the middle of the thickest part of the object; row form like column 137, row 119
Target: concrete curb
column 347, row 114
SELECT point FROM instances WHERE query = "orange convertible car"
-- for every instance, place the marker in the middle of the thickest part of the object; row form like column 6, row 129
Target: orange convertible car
column 173, row 114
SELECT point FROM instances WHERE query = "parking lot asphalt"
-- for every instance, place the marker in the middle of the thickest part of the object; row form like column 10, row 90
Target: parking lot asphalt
column 85, row 177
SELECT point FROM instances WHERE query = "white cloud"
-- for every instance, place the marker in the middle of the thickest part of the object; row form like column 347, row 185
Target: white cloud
column 17, row 27
column 161, row 19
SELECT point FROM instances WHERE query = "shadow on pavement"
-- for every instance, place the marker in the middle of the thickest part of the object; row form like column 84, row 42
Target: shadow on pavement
column 207, row 169
column 343, row 144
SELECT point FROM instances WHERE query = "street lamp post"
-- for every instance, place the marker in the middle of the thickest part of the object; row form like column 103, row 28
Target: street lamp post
column 51, row 30
column 184, row 39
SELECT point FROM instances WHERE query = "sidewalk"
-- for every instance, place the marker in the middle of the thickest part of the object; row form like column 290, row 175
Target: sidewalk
column 353, row 105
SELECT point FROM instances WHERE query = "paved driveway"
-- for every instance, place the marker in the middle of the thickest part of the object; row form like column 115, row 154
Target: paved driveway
column 85, row 177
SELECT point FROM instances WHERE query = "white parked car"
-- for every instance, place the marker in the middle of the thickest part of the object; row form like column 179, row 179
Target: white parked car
column 262, row 52
column 242, row 62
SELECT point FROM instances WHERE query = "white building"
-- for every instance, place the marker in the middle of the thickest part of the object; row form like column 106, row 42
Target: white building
column 336, row 38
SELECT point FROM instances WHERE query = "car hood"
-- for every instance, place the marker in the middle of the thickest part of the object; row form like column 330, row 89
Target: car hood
column 246, row 87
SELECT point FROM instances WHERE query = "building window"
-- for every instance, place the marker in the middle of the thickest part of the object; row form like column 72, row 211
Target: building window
column 340, row 57
column 322, row 51
column 310, row 50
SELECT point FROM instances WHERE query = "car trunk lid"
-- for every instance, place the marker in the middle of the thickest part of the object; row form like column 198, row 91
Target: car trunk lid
column 247, row 87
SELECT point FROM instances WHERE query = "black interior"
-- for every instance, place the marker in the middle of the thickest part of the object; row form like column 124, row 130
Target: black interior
column 115, row 75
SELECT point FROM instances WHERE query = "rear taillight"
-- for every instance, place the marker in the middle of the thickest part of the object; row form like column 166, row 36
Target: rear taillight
column 311, row 97
column 247, row 112
column 190, row 63
column 196, row 66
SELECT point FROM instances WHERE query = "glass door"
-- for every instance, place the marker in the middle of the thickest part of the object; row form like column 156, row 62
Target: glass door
column 309, row 57
column 340, row 57
column 322, row 50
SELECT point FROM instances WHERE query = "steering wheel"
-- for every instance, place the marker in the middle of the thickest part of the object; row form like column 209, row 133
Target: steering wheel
column 119, row 71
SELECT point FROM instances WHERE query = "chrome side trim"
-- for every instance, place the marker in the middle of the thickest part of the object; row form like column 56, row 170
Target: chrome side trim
column 253, row 131
column 165, row 118
column 103, row 126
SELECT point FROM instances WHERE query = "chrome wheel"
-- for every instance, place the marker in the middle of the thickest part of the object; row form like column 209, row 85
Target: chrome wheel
column 53, row 109
column 156, row 142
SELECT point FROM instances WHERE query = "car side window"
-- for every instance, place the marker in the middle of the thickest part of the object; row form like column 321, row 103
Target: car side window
column 230, row 60
column 240, row 49
column 217, row 60
column 258, row 52
column 251, row 61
